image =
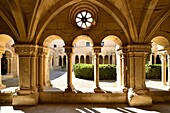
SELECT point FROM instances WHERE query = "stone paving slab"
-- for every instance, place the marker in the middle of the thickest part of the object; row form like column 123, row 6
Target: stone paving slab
column 86, row 108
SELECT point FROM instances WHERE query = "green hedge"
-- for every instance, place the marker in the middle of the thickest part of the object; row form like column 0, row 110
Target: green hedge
column 86, row 71
column 153, row 71
column 108, row 72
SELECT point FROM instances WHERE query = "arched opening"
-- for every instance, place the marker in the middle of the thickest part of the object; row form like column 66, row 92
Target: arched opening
column 157, row 72
column 60, row 61
column 153, row 59
column 83, row 48
column 82, row 59
column 57, row 61
column 100, row 59
column 88, row 59
column 158, row 60
column 64, row 61
column 109, row 46
column 76, row 59
column 9, row 63
column 111, row 62
column 106, row 59
column 4, row 65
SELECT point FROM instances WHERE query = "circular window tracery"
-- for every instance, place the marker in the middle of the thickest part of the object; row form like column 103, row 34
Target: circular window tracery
column 84, row 19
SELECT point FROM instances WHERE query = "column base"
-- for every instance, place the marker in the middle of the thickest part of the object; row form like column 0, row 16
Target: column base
column 25, row 91
column 41, row 89
column 9, row 74
column 26, row 99
column 139, row 97
column 98, row 90
column 125, row 89
column 70, row 90
column 48, row 84
column 2, row 86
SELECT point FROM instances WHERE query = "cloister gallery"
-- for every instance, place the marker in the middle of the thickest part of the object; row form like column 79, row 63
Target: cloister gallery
column 37, row 36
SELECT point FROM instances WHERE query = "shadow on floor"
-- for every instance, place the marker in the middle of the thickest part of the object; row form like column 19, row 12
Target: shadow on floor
column 93, row 108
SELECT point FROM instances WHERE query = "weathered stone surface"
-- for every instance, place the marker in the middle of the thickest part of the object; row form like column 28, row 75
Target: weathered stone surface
column 30, row 99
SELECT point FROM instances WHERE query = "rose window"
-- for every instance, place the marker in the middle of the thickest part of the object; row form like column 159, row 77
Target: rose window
column 84, row 19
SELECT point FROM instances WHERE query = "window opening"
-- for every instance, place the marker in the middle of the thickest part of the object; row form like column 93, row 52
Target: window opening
column 84, row 19
column 87, row 44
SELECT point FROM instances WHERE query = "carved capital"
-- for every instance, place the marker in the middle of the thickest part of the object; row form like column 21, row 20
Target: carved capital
column 139, row 48
column 97, row 49
column 121, row 51
column 68, row 50
column 43, row 51
column 25, row 50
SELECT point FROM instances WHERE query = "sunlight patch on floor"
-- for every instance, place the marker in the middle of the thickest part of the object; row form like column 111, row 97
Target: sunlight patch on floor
column 9, row 109
column 8, row 90
column 122, row 110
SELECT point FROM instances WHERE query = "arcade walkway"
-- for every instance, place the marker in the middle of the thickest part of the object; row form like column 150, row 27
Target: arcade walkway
column 59, row 81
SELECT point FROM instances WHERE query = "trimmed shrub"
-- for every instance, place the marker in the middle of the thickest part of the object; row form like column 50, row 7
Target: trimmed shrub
column 86, row 71
column 153, row 71
column 107, row 72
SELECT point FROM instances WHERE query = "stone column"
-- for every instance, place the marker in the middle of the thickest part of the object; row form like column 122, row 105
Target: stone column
column 114, row 59
column 1, row 52
column 124, row 70
column 40, row 69
column 138, row 94
column 9, row 66
column 27, row 68
column 15, row 71
column 108, row 59
column 17, row 66
column 119, row 68
column 155, row 58
column 55, row 61
column 46, row 81
column 73, row 59
column 168, row 60
column 96, row 51
column 62, row 63
column 70, row 87
column 43, row 69
column 150, row 61
column 163, row 63
column 79, row 59
column 27, row 93
column 122, row 65
column 50, row 62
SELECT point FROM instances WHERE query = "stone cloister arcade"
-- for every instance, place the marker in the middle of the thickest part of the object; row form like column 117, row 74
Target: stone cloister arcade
column 132, row 25
column 81, row 53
